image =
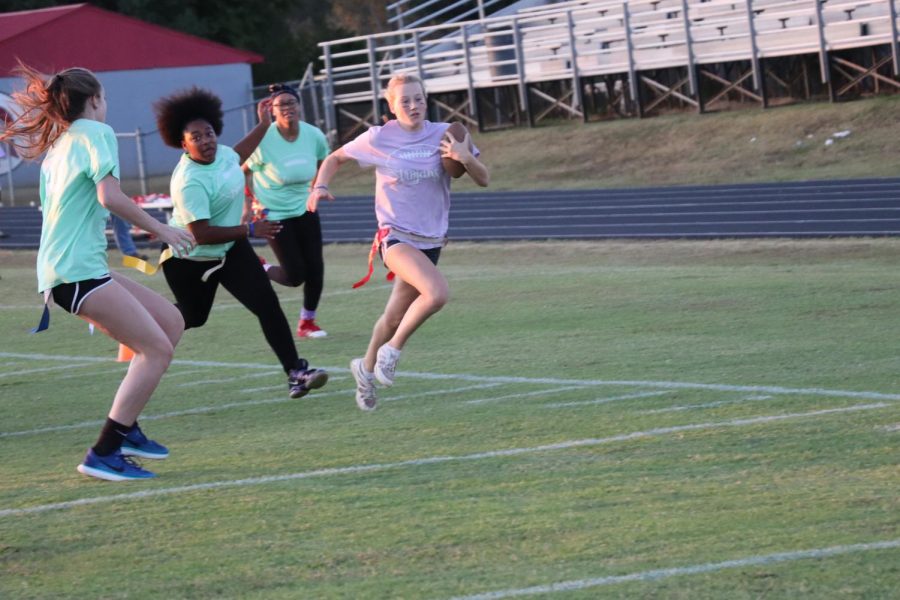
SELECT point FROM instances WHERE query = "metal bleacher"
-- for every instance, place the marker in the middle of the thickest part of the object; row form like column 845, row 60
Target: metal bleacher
column 573, row 40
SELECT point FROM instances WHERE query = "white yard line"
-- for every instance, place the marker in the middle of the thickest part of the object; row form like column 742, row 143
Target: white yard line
column 705, row 405
column 171, row 373
column 480, row 386
column 121, row 370
column 671, row 385
column 432, row 460
column 230, row 379
column 609, row 399
column 271, row 388
column 177, row 413
column 215, row 408
column 47, row 369
column 557, row 390
column 657, row 574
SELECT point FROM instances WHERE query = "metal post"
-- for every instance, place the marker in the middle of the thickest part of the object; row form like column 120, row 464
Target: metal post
column 895, row 50
column 577, row 100
column 524, row 101
column 317, row 118
column 373, row 81
column 481, row 10
column 473, row 104
column 245, row 123
column 754, row 48
column 823, row 51
column 328, row 100
column 632, row 72
column 9, row 177
column 417, row 47
column 692, row 71
column 142, row 168
column 302, row 106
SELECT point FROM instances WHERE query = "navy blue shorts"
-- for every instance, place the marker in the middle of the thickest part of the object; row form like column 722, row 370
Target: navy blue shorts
column 70, row 296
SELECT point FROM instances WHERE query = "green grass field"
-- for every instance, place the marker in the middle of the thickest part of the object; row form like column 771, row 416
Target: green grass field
column 682, row 420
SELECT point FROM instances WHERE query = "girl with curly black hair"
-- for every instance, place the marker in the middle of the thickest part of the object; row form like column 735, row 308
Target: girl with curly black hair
column 207, row 190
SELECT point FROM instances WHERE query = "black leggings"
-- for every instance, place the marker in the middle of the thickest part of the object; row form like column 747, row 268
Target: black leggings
column 243, row 276
column 298, row 247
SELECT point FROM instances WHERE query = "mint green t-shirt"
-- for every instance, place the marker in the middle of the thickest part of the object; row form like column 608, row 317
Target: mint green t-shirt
column 214, row 192
column 73, row 233
column 282, row 170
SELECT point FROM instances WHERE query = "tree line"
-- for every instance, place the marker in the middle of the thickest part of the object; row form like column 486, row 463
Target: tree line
column 285, row 32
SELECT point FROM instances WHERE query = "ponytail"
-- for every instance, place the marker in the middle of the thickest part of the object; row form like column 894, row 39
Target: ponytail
column 48, row 106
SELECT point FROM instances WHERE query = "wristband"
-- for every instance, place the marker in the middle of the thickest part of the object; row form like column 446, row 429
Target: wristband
column 250, row 229
column 321, row 186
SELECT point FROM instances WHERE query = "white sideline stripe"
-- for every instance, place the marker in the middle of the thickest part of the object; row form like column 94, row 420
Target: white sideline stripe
column 432, row 460
column 656, row 574
column 672, row 385
column 229, row 379
column 605, row 400
column 207, row 409
column 705, row 405
column 46, row 369
column 567, row 388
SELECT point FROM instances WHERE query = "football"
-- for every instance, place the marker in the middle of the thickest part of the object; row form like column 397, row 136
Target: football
column 452, row 167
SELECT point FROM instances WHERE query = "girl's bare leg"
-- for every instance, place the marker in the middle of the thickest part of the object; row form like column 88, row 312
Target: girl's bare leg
column 145, row 322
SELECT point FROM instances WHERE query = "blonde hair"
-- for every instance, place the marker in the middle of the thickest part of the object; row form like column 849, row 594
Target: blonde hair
column 49, row 104
column 398, row 80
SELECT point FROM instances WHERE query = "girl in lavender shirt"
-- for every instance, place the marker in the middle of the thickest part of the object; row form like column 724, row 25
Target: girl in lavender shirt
column 412, row 204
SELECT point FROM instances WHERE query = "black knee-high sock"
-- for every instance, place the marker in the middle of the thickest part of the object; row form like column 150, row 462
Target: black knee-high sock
column 111, row 437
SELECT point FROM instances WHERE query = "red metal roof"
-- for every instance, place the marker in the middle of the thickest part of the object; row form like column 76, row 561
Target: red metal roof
column 86, row 36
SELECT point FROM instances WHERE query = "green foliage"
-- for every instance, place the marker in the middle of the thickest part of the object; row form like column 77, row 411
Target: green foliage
column 285, row 32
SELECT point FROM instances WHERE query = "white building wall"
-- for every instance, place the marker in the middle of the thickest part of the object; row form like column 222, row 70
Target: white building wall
column 131, row 95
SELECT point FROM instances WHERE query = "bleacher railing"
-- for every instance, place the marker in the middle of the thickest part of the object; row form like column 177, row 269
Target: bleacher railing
column 570, row 40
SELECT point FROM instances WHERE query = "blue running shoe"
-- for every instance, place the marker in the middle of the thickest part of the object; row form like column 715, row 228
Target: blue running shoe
column 137, row 444
column 303, row 379
column 114, row 467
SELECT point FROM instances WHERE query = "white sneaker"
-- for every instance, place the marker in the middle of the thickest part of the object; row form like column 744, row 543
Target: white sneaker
column 365, row 385
column 386, row 365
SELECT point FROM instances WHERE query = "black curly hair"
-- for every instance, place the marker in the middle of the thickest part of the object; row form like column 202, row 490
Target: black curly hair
column 175, row 111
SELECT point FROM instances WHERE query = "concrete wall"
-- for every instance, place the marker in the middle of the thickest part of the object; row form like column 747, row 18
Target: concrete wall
column 130, row 96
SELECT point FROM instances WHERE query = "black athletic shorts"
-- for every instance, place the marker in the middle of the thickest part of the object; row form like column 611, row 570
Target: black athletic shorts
column 433, row 254
column 70, row 296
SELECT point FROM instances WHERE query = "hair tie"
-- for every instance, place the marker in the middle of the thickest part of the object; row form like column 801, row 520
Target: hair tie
column 276, row 89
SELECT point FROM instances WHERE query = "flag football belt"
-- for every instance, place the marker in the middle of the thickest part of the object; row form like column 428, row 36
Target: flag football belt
column 150, row 269
column 385, row 233
column 132, row 262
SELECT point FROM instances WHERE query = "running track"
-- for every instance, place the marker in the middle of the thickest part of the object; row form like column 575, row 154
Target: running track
column 860, row 207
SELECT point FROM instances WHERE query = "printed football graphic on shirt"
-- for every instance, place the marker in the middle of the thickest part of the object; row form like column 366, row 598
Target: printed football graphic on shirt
column 415, row 163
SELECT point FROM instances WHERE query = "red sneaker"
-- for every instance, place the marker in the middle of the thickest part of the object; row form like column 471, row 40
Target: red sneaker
column 307, row 328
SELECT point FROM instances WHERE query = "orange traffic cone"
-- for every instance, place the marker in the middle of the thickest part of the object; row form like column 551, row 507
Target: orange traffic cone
column 125, row 354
